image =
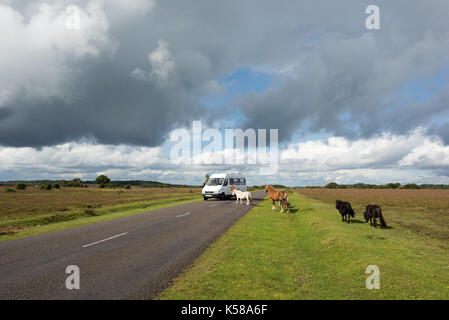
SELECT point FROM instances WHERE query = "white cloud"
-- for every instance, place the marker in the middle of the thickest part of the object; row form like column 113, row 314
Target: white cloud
column 86, row 157
column 388, row 158
column 337, row 152
column 162, row 62
column 427, row 155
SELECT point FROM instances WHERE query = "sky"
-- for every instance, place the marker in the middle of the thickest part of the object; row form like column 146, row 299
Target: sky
column 350, row 104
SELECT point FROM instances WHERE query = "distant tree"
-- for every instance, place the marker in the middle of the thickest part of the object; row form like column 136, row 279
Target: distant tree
column 128, row 186
column 46, row 186
column 21, row 186
column 102, row 179
column 410, row 186
column 102, row 185
column 332, row 185
column 75, row 183
column 393, row 185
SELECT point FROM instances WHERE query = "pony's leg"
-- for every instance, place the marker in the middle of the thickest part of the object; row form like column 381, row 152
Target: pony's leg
column 349, row 218
column 273, row 207
column 375, row 223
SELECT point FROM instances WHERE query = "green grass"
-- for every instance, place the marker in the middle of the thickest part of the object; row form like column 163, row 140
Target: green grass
column 43, row 224
column 310, row 254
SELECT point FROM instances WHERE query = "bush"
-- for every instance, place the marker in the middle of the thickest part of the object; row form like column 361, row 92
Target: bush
column 75, row 183
column 102, row 179
column 394, row 185
column 21, row 186
column 101, row 186
column 46, row 186
column 332, row 185
column 10, row 190
column 90, row 212
column 128, row 186
column 411, row 186
column 56, row 186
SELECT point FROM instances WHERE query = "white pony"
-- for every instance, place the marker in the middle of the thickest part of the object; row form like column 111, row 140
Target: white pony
column 240, row 195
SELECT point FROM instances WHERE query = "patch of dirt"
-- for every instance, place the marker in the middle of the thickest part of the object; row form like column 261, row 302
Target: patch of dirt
column 9, row 230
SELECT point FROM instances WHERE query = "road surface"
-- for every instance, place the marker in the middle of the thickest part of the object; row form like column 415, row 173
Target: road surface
column 134, row 257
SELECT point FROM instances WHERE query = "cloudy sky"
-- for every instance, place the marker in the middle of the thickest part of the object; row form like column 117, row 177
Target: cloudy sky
column 351, row 104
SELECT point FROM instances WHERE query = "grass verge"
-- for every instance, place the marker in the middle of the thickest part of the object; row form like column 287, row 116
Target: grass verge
column 311, row 254
column 43, row 224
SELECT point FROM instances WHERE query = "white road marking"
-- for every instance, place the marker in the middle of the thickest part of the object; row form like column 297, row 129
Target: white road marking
column 213, row 205
column 182, row 215
column 97, row 242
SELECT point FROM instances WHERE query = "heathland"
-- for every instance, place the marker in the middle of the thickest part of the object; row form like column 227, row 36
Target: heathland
column 33, row 211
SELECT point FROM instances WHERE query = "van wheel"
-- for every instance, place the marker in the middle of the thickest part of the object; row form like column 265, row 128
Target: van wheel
column 205, row 199
column 223, row 196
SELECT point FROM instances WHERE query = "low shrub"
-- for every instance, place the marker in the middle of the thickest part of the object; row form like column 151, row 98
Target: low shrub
column 46, row 186
column 21, row 186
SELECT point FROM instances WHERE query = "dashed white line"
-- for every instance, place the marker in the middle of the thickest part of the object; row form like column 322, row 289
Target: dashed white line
column 182, row 215
column 110, row 238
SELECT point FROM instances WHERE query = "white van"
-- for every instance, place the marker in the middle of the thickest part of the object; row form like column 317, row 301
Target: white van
column 219, row 185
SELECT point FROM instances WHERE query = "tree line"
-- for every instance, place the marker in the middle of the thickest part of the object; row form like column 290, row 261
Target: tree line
column 396, row 185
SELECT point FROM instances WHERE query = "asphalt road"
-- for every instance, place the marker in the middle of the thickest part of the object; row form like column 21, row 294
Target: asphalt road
column 134, row 257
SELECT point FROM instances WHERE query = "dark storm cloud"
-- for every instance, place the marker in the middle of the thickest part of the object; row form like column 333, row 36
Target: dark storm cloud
column 331, row 68
column 441, row 130
column 357, row 84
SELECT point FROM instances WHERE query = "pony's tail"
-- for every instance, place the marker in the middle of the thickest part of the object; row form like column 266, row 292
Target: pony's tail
column 352, row 212
column 383, row 224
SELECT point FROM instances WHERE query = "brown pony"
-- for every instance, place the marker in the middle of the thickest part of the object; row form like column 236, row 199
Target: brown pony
column 275, row 195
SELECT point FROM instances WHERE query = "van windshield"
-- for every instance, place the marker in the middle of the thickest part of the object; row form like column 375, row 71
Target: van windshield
column 215, row 182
